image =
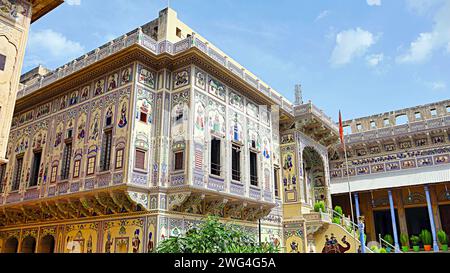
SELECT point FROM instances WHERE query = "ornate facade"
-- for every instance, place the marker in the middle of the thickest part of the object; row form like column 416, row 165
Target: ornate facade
column 397, row 161
column 142, row 137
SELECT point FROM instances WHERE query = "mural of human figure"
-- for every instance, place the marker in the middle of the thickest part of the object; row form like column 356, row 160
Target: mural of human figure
column 126, row 75
column 136, row 242
column 123, row 116
column 89, row 245
column 288, row 162
column 108, row 243
column 150, row 242
column 112, row 84
column 294, row 247
column 266, row 150
column 98, row 88
column 332, row 245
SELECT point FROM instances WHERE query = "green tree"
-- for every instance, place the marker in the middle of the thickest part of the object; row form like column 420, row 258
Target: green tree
column 212, row 236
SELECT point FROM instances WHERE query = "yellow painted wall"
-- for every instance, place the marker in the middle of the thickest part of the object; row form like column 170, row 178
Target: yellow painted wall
column 339, row 232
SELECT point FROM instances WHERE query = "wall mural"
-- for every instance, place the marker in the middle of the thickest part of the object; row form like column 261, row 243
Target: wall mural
column 181, row 78
column 14, row 10
column 216, row 120
column 199, row 123
column 146, row 77
column 216, row 88
column 179, row 116
column 81, row 238
column 294, row 241
column 123, row 236
column 236, row 130
column 333, row 246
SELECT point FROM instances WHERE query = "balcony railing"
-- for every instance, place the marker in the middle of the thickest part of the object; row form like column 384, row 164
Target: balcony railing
column 138, row 37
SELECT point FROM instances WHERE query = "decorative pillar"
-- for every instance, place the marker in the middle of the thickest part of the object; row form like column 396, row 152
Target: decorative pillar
column 435, row 206
column 401, row 213
column 394, row 223
column 431, row 215
column 360, row 224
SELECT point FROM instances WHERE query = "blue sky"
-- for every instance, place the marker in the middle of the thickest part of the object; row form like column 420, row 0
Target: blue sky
column 361, row 56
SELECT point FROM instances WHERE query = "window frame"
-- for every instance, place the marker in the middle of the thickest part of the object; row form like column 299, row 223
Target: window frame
column 256, row 153
column 116, row 166
column 240, row 147
column 220, row 171
column 54, row 174
column 17, row 175
column 145, row 160
column 88, row 163
column 34, row 172
column 175, row 169
column 106, row 151
column 66, row 161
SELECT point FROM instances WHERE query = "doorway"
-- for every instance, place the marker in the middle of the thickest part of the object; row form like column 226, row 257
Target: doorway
column 383, row 222
column 444, row 211
column 417, row 219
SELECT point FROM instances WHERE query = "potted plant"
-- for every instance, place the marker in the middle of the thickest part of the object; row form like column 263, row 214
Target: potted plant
column 443, row 240
column 319, row 206
column 404, row 241
column 375, row 249
column 388, row 238
column 415, row 241
column 425, row 236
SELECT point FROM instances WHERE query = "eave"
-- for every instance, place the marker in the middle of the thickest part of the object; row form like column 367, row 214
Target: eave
column 42, row 7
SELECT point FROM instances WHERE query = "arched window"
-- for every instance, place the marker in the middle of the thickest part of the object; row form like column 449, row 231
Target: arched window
column 47, row 244
column 11, row 245
column 401, row 119
column 28, row 245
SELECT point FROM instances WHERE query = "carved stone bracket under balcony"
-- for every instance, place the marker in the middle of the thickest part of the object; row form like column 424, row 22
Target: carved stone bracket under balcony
column 89, row 205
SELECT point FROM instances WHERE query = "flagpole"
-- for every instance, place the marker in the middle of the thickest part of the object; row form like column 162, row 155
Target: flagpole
column 348, row 177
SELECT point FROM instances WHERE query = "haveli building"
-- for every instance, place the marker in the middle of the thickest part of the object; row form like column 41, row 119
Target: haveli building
column 399, row 169
column 142, row 137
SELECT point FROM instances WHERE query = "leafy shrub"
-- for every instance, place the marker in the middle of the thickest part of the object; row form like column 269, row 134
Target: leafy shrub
column 442, row 237
column 425, row 236
column 211, row 236
column 319, row 206
column 388, row 238
column 375, row 249
column 383, row 250
column 338, row 210
column 415, row 240
column 404, row 239
column 337, row 220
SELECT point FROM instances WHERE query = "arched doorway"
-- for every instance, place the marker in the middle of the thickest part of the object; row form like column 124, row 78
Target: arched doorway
column 28, row 245
column 47, row 244
column 11, row 245
column 314, row 184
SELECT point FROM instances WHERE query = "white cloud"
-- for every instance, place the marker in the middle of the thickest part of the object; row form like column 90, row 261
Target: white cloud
column 438, row 38
column 322, row 15
column 435, row 85
column 374, row 2
column 351, row 43
column 73, row 2
column 51, row 46
column 374, row 59
column 421, row 6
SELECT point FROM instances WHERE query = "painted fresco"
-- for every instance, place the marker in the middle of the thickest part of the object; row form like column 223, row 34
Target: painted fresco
column 216, row 119
column 294, row 241
column 123, row 236
column 179, row 116
column 81, row 238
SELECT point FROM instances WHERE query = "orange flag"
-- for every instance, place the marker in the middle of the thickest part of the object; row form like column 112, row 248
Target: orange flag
column 341, row 129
